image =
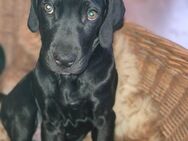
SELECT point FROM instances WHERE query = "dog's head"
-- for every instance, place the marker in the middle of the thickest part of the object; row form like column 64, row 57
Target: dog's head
column 71, row 29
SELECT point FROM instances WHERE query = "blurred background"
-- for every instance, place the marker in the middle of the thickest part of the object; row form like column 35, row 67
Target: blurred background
column 167, row 18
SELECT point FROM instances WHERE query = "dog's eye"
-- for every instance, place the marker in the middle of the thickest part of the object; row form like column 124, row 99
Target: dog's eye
column 49, row 9
column 92, row 14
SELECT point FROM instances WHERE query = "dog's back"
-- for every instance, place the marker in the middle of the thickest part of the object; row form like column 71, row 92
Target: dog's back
column 3, row 133
column 2, row 59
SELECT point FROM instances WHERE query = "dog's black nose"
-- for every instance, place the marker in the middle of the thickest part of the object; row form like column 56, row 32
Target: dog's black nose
column 65, row 61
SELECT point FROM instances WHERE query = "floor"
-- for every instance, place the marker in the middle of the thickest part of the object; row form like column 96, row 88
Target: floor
column 168, row 18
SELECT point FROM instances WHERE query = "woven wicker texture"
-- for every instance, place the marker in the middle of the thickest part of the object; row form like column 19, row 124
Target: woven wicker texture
column 164, row 65
column 165, row 77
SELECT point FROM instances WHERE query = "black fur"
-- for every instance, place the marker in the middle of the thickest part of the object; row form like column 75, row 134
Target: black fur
column 2, row 59
column 73, row 85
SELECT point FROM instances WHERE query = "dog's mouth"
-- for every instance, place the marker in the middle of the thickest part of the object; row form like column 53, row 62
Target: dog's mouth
column 77, row 67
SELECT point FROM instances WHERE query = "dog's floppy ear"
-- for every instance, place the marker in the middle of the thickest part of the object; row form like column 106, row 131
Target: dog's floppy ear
column 113, row 21
column 33, row 22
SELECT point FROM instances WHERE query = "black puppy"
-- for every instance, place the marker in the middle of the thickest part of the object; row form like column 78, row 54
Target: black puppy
column 73, row 85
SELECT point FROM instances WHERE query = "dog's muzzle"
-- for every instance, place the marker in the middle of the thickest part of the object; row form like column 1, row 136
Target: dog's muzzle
column 66, row 65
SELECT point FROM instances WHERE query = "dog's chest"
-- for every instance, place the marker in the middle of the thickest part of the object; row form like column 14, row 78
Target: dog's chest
column 74, row 100
column 74, row 92
column 68, row 101
column 76, row 107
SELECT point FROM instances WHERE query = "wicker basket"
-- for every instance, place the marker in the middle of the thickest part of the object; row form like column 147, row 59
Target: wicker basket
column 163, row 70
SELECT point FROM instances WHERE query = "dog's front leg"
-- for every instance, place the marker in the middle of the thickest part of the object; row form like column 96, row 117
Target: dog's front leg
column 51, row 127
column 51, row 132
column 104, row 127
